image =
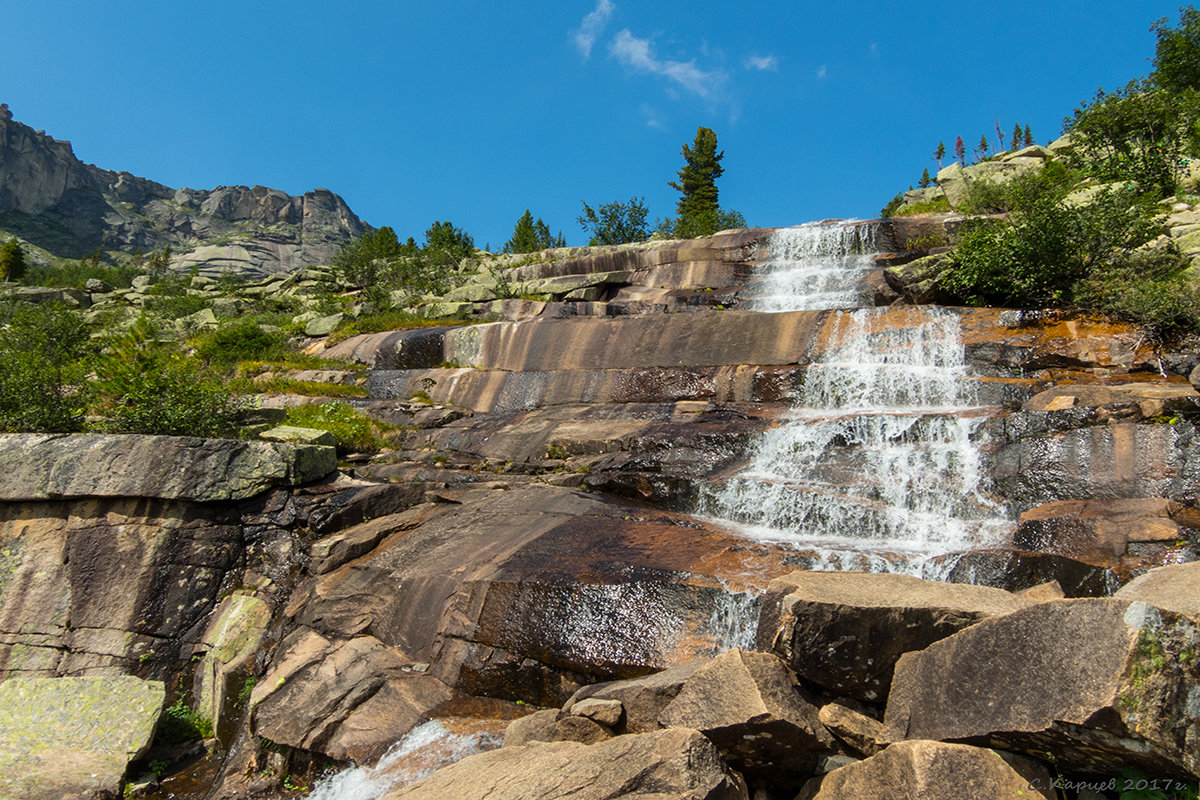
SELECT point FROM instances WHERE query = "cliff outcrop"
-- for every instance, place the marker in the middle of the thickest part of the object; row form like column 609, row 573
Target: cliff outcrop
column 53, row 200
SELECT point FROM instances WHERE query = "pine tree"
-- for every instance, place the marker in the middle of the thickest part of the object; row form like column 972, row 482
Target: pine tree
column 925, row 179
column 940, row 153
column 982, row 148
column 1028, row 137
column 530, row 235
column 960, row 151
column 1014, row 141
column 698, row 208
column 12, row 260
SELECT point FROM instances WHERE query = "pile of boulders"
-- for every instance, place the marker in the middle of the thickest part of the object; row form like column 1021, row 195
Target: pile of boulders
column 884, row 686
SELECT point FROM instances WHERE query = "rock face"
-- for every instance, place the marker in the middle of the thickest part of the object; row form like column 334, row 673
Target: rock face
column 45, row 466
column 675, row 764
column 51, row 199
column 73, row 737
column 1083, row 684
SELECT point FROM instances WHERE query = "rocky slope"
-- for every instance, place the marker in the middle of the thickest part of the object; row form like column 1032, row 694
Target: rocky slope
column 527, row 563
column 51, row 199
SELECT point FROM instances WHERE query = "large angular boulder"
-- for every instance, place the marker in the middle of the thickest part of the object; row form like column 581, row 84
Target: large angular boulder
column 67, row 737
column 845, row 630
column 923, row 770
column 1089, row 685
column 675, row 764
column 749, row 705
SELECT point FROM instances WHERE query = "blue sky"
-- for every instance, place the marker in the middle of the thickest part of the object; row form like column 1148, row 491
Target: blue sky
column 472, row 111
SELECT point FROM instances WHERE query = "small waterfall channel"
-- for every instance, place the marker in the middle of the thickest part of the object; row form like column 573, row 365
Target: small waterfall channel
column 875, row 466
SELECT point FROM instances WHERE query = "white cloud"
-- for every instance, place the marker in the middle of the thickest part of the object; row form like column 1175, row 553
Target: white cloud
column 592, row 26
column 639, row 54
column 768, row 63
column 653, row 118
column 822, row 71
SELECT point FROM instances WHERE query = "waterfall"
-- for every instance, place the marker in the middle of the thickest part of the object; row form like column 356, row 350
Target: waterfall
column 820, row 265
column 875, row 467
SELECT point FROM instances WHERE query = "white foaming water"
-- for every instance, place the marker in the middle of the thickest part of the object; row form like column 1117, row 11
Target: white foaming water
column 424, row 749
column 816, row 266
column 875, row 467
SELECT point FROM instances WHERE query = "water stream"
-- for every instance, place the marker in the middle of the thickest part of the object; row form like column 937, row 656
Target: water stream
column 875, row 467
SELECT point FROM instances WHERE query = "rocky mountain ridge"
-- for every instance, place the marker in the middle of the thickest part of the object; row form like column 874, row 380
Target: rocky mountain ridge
column 51, row 199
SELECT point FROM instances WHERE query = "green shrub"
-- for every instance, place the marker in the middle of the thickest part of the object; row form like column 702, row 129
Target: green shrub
column 179, row 724
column 1148, row 288
column 74, row 274
column 143, row 387
column 935, row 206
column 240, row 341
column 1141, row 133
column 43, row 360
column 1035, row 259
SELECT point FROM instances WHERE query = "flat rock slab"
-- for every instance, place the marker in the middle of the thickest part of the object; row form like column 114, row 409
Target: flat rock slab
column 675, row 764
column 1089, row 685
column 58, row 466
column 65, row 736
column 845, row 630
column 924, row 770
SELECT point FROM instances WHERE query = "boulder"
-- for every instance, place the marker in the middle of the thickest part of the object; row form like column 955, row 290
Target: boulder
column 1018, row 570
column 641, row 699
column 73, row 737
column 1175, row 587
column 749, row 705
column 349, row 700
column 323, row 326
column 553, row 725
column 1088, row 685
column 924, row 770
column 296, row 435
column 857, row 731
column 918, row 281
column 230, row 643
column 42, row 466
column 845, row 630
column 675, row 764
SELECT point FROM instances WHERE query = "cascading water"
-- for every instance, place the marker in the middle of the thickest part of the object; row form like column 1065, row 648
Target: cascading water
column 816, row 266
column 875, row 466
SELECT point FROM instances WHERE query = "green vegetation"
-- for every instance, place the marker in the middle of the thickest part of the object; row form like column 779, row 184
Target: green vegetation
column 240, row 341
column 1083, row 232
column 44, row 354
column 179, row 724
column 12, row 260
column 530, row 235
column 74, row 274
column 698, row 211
column 355, row 431
column 616, row 222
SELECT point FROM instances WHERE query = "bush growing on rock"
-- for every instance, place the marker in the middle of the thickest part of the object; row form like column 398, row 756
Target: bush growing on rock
column 144, row 388
column 616, row 222
column 240, row 341
column 43, row 352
